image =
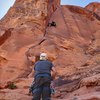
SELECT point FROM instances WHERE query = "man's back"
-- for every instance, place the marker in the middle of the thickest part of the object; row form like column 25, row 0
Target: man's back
column 43, row 67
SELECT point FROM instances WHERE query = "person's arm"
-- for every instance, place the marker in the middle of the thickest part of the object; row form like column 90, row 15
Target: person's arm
column 31, row 74
column 53, row 73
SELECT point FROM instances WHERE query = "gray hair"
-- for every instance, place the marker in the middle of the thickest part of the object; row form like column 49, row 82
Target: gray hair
column 43, row 56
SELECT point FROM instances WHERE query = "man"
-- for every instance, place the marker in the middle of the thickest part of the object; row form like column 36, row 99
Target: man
column 43, row 78
column 53, row 23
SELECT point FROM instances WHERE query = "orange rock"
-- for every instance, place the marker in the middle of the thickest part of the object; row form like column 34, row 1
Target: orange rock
column 73, row 45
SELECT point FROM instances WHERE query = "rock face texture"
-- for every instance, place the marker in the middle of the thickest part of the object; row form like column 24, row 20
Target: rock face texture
column 73, row 45
column 22, row 27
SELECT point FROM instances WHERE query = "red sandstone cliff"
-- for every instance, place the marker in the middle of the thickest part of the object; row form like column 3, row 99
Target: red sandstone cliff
column 73, row 46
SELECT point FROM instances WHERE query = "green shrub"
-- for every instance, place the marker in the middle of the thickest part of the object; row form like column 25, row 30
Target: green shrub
column 11, row 85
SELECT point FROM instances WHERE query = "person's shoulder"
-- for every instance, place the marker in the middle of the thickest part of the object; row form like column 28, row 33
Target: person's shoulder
column 49, row 61
column 37, row 62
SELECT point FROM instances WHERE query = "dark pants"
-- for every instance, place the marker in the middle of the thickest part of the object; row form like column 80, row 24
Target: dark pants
column 42, row 89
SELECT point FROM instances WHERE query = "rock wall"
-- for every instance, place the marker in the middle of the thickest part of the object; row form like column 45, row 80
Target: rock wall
column 73, row 45
column 22, row 27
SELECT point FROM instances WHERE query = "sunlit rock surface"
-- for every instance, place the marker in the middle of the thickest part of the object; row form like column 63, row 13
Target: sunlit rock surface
column 73, row 45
